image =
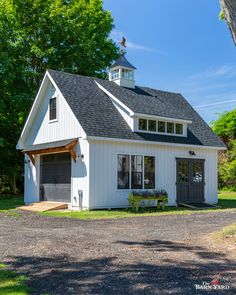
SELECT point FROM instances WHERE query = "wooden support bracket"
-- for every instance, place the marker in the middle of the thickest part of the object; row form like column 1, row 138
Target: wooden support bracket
column 32, row 159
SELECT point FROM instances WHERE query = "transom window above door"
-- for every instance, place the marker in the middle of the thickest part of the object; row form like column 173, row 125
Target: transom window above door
column 135, row 172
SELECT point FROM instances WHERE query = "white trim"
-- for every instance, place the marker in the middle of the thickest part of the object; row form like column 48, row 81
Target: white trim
column 20, row 144
column 169, row 119
column 131, row 113
column 154, row 143
column 33, row 106
column 57, row 108
column 184, row 134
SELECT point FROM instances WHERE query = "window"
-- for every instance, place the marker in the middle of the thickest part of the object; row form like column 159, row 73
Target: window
column 149, row 172
column 127, row 74
column 123, row 164
column 115, row 74
column 52, row 108
column 152, row 125
column 142, row 124
column 161, row 126
column 178, row 128
column 170, row 127
column 136, row 172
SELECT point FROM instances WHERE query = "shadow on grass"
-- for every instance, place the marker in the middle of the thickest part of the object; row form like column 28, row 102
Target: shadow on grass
column 133, row 273
column 10, row 203
column 12, row 283
column 227, row 203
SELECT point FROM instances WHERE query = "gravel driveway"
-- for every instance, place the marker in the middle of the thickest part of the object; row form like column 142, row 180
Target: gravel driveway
column 143, row 255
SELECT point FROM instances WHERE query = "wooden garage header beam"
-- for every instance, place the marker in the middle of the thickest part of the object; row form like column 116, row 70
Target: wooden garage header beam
column 69, row 147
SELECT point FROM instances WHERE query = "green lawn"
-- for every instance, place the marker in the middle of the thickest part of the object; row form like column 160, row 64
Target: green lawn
column 12, row 283
column 8, row 204
column 227, row 200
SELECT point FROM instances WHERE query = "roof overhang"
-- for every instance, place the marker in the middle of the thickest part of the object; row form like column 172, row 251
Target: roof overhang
column 148, row 116
column 51, row 147
column 98, row 138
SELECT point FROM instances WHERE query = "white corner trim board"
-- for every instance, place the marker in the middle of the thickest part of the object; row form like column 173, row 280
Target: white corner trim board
column 131, row 113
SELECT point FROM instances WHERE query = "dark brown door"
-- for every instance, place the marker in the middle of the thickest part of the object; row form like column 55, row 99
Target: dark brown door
column 190, row 180
column 55, row 177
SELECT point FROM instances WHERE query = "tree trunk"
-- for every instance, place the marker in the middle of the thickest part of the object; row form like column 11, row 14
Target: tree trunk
column 13, row 184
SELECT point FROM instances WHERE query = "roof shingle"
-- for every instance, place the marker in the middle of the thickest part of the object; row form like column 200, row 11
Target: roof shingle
column 99, row 117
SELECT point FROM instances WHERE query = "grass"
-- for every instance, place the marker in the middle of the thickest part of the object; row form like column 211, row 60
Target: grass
column 11, row 283
column 8, row 204
column 225, row 239
column 227, row 200
column 227, row 232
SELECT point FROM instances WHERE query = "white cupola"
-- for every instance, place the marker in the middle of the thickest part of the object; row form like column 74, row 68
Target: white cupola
column 122, row 72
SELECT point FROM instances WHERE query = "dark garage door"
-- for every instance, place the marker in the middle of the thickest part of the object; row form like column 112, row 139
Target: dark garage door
column 55, row 177
column 190, row 180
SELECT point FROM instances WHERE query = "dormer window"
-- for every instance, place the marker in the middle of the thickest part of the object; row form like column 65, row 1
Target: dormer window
column 53, row 109
column 142, row 124
column 178, row 128
column 152, row 125
column 170, row 127
column 161, row 127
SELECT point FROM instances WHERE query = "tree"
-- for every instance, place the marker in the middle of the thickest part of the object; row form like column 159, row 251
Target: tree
column 225, row 127
column 67, row 35
column 228, row 13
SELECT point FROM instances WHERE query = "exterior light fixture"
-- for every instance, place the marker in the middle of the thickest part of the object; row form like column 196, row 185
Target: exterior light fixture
column 192, row 153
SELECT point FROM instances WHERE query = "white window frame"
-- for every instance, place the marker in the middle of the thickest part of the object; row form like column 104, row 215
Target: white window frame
column 57, row 107
column 184, row 134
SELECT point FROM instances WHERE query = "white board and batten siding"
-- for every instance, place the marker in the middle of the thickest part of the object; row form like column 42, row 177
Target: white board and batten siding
column 44, row 131
column 103, row 171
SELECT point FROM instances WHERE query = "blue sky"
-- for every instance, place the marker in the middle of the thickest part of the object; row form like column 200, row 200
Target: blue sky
column 180, row 46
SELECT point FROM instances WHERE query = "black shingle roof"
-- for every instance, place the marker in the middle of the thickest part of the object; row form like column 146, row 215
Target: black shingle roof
column 122, row 61
column 99, row 117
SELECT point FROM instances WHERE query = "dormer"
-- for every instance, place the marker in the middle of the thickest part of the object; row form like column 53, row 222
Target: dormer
column 122, row 72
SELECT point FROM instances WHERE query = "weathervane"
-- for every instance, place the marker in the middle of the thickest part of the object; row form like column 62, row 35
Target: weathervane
column 123, row 45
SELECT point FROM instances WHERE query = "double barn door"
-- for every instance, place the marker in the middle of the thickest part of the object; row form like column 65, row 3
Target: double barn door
column 190, row 180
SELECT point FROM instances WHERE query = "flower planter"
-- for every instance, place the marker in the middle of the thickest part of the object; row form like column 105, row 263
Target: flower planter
column 136, row 197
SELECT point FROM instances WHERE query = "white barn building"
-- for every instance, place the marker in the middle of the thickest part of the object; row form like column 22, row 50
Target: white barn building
column 89, row 142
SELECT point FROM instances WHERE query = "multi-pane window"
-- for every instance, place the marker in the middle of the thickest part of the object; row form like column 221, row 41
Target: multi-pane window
column 149, row 172
column 178, row 128
column 52, row 108
column 152, row 125
column 135, row 172
column 115, row 74
column 142, row 124
column 123, row 168
column 170, row 127
column 161, row 126
column 127, row 74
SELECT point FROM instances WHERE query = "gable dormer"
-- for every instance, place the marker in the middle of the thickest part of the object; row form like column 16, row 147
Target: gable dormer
column 122, row 72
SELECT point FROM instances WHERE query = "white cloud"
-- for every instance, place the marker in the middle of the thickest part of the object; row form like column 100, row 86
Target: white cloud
column 222, row 71
column 225, row 102
column 117, row 36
